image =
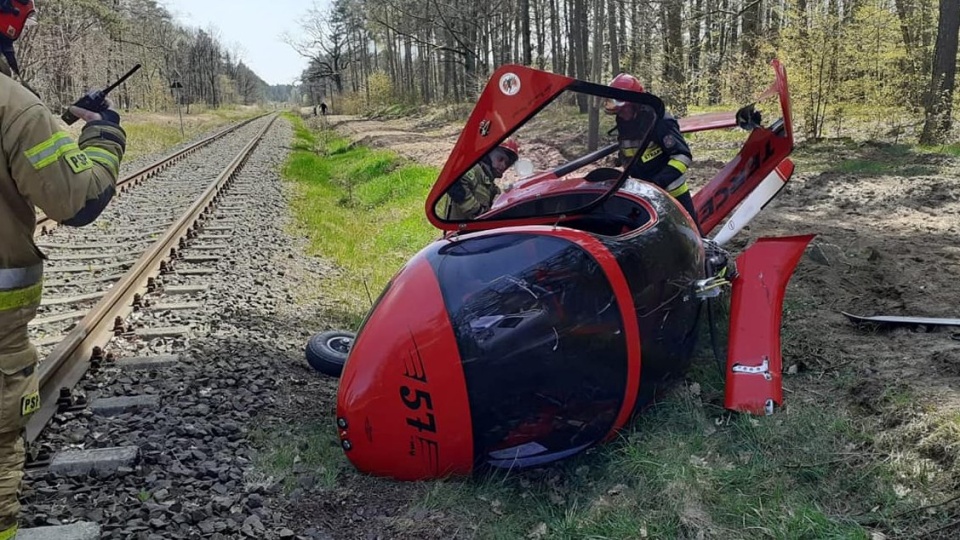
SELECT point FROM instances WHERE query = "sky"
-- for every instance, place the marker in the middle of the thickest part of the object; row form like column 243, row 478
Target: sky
column 254, row 29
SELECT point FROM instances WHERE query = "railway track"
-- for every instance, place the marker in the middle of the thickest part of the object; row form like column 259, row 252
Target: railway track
column 181, row 369
column 101, row 279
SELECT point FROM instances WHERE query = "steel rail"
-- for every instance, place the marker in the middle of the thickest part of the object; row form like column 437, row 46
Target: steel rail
column 70, row 359
column 46, row 224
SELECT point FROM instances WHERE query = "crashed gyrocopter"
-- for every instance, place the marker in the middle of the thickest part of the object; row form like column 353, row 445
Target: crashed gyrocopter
column 539, row 328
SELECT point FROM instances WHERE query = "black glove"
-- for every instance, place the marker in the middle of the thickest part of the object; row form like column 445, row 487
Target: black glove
column 747, row 118
column 107, row 113
column 111, row 116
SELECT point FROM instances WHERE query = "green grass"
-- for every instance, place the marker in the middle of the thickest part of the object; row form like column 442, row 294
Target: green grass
column 150, row 133
column 363, row 209
column 946, row 149
column 304, row 449
column 149, row 138
column 863, row 158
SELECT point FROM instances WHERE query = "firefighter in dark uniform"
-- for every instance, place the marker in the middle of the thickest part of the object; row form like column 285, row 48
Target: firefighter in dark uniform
column 475, row 191
column 40, row 166
column 666, row 158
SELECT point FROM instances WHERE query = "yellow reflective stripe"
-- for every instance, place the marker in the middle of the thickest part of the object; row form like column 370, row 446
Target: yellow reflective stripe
column 20, row 298
column 105, row 158
column 652, row 152
column 49, row 151
column 9, row 534
column 678, row 165
column 47, row 144
column 678, row 191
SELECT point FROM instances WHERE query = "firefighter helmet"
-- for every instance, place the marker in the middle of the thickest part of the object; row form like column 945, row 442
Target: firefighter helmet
column 15, row 15
column 512, row 148
column 623, row 81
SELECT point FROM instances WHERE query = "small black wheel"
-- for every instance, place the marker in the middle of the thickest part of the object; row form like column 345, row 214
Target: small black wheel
column 327, row 351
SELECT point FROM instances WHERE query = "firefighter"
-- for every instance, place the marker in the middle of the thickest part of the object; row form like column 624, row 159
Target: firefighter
column 40, row 165
column 667, row 157
column 474, row 193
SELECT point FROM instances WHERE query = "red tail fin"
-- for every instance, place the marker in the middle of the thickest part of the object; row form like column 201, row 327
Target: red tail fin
column 765, row 148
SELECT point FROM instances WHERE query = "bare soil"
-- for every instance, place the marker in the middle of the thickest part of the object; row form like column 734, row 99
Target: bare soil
column 886, row 244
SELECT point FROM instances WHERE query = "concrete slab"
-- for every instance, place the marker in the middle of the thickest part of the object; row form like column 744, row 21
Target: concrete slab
column 176, row 307
column 98, row 459
column 77, row 247
column 87, row 256
column 147, row 362
column 201, row 258
column 88, row 268
column 58, row 318
column 65, row 300
column 185, row 289
column 172, row 331
column 196, row 272
column 77, row 531
column 120, row 405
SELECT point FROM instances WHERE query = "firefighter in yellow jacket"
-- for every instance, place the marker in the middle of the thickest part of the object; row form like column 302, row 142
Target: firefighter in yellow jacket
column 475, row 191
column 40, row 166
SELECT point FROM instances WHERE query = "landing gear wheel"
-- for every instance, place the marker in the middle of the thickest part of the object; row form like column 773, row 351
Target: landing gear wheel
column 327, row 351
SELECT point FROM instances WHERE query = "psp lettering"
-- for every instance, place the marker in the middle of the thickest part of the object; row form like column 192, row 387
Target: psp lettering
column 78, row 160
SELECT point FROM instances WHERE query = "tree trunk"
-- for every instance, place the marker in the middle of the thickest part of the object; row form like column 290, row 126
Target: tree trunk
column 938, row 105
column 673, row 55
column 696, row 44
column 581, row 30
column 750, row 35
column 525, row 32
column 614, row 18
column 593, row 120
column 540, row 25
column 556, row 62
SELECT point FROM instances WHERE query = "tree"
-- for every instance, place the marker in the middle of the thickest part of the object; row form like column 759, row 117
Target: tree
column 81, row 45
column 938, row 102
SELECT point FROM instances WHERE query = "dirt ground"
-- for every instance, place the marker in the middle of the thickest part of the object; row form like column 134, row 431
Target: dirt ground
column 886, row 244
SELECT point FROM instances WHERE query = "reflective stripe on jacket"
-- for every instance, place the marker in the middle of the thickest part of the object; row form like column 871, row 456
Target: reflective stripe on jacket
column 666, row 158
column 20, row 287
column 42, row 166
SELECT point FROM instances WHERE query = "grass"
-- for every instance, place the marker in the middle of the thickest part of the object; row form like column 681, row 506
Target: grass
column 152, row 133
column 362, row 208
column 686, row 468
column 304, row 448
column 864, row 158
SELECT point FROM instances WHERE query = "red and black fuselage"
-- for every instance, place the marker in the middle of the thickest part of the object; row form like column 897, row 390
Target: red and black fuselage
column 522, row 345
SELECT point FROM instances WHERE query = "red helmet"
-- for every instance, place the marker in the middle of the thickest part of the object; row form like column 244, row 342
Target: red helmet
column 623, row 81
column 511, row 146
column 14, row 16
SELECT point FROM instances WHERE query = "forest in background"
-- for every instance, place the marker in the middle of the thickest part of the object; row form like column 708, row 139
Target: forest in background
column 889, row 63
column 81, row 45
